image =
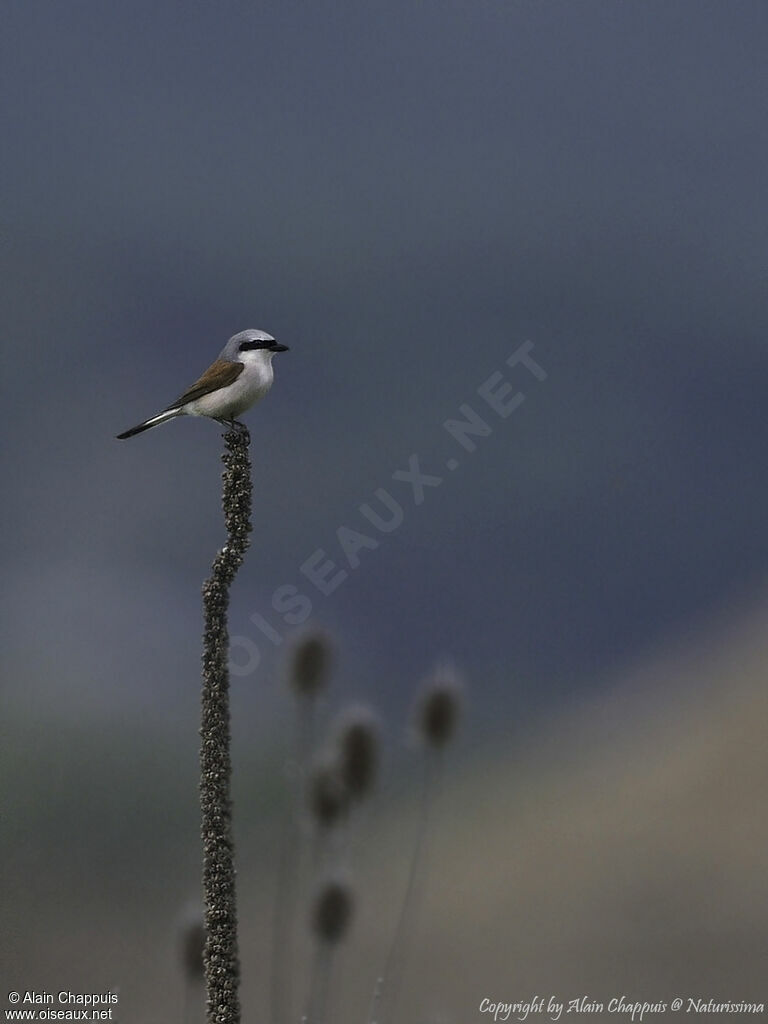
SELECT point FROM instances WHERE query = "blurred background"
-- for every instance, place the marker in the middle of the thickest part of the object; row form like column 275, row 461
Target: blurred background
column 404, row 194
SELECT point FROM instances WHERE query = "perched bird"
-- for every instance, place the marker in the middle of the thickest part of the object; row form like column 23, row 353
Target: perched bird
column 240, row 376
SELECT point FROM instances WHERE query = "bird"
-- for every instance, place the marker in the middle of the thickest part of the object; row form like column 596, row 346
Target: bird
column 236, row 380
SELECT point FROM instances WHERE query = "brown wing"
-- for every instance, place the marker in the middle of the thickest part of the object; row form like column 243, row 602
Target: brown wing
column 218, row 375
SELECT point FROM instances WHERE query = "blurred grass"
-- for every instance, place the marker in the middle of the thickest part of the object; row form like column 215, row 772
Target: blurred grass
column 621, row 847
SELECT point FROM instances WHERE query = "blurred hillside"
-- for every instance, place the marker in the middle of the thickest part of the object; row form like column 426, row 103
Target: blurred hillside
column 623, row 850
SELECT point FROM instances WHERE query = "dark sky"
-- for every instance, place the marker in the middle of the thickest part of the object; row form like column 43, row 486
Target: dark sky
column 403, row 193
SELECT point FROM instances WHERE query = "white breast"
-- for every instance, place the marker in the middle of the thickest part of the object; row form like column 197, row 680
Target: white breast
column 252, row 384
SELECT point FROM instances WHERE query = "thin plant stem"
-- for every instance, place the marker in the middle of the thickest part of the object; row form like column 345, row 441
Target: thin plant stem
column 289, row 868
column 305, row 740
column 222, row 970
column 329, row 848
column 375, row 999
column 320, row 984
column 389, row 983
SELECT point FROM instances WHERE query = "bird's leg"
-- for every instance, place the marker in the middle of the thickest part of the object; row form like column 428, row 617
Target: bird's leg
column 231, row 423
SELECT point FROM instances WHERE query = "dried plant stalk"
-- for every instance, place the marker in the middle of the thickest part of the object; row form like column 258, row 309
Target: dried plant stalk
column 222, row 971
column 436, row 715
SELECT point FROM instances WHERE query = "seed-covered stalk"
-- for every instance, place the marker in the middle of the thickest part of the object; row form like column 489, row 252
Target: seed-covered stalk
column 222, row 972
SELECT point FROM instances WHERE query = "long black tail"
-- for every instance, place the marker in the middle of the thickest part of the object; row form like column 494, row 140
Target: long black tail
column 163, row 417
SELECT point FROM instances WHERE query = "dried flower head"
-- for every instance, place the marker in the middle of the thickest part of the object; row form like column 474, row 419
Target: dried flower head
column 438, row 709
column 327, row 796
column 192, row 948
column 310, row 664
column 358, row 751
column 332, row 912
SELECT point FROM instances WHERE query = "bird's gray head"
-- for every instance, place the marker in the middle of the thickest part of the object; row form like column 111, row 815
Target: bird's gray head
column 251, row 342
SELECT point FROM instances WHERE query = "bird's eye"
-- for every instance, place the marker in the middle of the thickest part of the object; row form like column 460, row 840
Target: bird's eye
column 248, row 346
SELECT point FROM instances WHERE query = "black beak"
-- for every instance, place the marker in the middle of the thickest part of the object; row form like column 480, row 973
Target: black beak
column 278, row 348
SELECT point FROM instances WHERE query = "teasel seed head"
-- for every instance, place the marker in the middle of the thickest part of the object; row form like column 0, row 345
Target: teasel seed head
column 310, row 664
column 357, row 744
column 438, row 708
column 332, row 911
column 327, row 795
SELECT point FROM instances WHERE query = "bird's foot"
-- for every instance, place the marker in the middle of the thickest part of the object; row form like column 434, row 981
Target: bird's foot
column 232, row 424
column 229, row 422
